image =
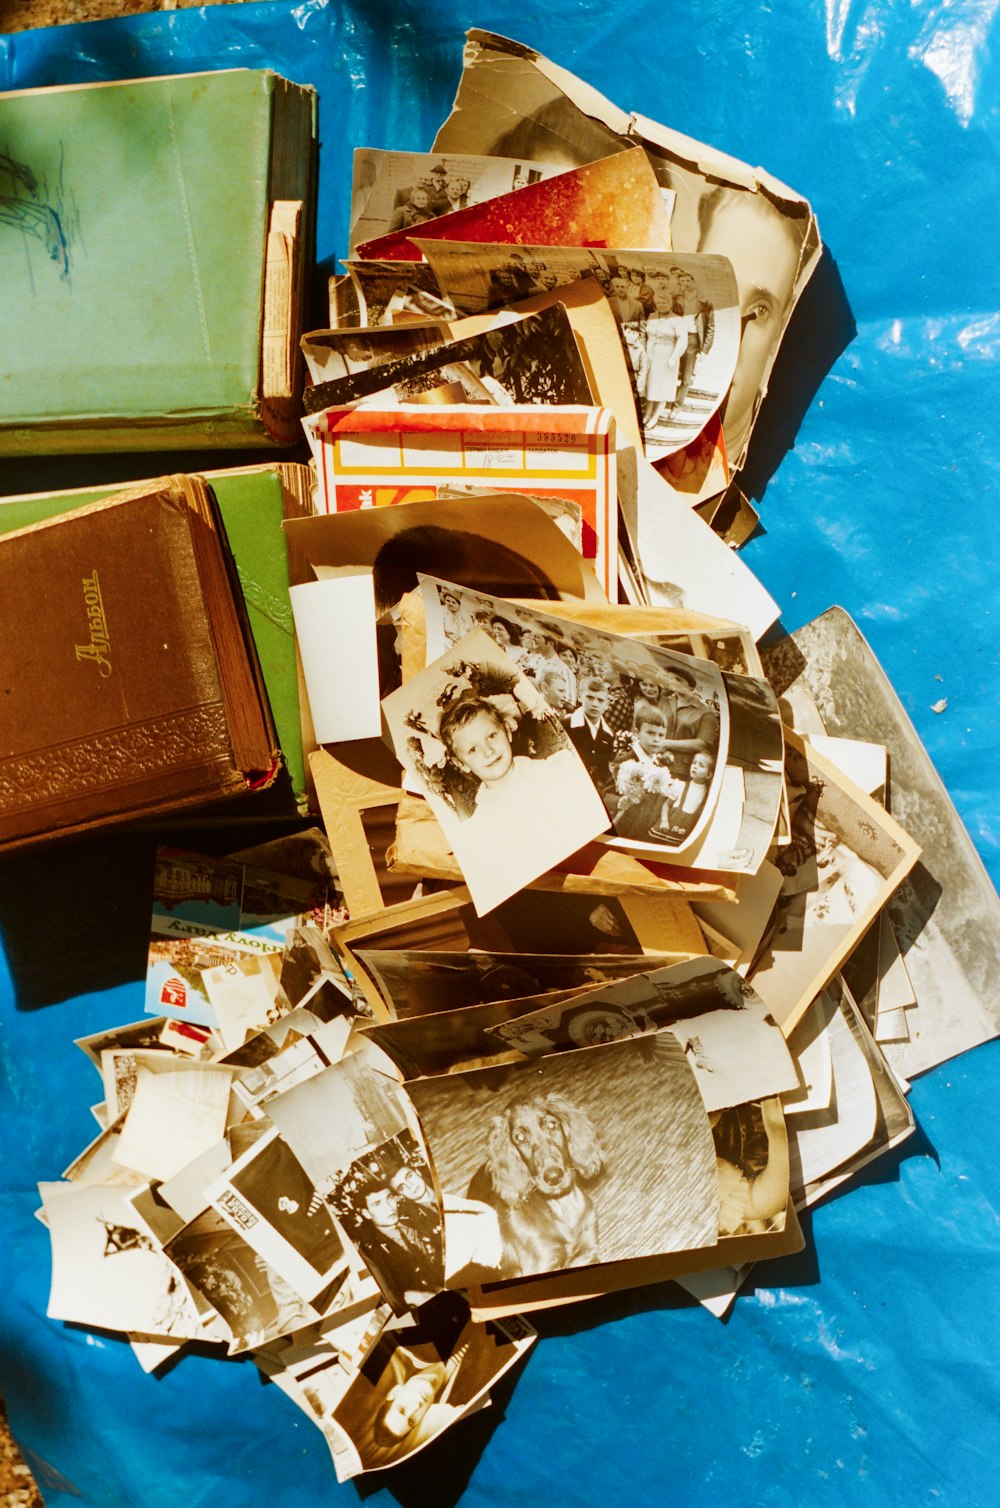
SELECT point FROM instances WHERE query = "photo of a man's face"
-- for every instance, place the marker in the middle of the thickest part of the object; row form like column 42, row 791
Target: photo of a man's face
column 382, row 1208
column 764, row 247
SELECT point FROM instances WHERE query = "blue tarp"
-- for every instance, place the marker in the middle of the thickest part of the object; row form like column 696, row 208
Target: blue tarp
column 863, row 1371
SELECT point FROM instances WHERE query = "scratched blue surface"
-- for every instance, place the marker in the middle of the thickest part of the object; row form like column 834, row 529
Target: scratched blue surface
column 865, row 1371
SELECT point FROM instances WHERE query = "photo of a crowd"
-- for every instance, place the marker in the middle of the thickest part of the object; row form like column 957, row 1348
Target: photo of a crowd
column 677, row 313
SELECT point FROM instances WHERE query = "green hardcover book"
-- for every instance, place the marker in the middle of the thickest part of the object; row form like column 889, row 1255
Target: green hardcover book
column 253, row 502
column 155, row 240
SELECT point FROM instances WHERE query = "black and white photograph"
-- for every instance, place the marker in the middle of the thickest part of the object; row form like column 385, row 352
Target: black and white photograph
column 678, row 315
column 945, row 913
column 753, row 798
column 253, row 1299
column 751, row 1148
column 387, row 1206
column 651, row 726
column 268, row 1198
column 588, row 1156
column 311, row 975
column 734, row 1047
column 338, row 1115
column 531, row 360
column 559, row 923
column 413, row 1386
column 397, row 190
column 332, row 355
column 415, row 983
column 106, row 1271
column 390, row 293
column 845, row 858
column 765, row 229
column 290, row 1052
column 450, row 1041
column 347, row 1128
column 497, row 766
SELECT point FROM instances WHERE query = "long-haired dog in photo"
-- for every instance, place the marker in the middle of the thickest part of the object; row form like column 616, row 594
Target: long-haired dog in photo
column 542, row 1154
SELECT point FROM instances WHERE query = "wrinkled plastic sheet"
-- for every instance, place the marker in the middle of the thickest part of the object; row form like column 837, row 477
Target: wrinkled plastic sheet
column 863, row 1371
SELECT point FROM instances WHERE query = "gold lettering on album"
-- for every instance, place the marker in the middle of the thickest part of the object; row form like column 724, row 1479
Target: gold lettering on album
column 99, row 648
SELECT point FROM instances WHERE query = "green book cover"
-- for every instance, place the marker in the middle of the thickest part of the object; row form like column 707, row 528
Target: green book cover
column 252, row 505
column 133, row 223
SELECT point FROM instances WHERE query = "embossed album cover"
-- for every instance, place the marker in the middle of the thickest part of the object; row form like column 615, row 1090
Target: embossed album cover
column 128, row 680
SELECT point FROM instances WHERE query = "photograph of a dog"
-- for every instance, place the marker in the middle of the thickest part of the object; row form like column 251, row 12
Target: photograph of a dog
column 590, row 1156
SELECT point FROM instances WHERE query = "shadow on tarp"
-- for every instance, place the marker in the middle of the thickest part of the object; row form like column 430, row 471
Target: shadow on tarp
column 821, row 328
column 75, row 916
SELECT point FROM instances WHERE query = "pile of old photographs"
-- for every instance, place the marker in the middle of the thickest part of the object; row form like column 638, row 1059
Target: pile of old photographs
column 609, row 959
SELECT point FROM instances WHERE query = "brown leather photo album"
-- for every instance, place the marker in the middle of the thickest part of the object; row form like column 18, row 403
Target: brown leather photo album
column 129, row 684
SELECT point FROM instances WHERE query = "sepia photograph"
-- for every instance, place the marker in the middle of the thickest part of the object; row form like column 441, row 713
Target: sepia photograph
column 497, row 766
column 387, row 1206
column 397, row 190
column 845, row 858
column 677, row 313
column 414, row 1384
column 587, row 1156
column 751, row 1148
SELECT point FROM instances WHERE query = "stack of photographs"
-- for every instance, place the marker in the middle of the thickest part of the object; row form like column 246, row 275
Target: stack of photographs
column 608, row 959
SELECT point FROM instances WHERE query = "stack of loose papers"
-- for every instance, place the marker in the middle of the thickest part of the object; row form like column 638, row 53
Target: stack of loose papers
column 608, row 958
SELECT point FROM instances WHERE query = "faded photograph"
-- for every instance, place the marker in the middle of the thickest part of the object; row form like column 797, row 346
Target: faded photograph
column 677, row 314
column 411, row 1388
column 397, row 190
column 106, row 1271
column 532, row 360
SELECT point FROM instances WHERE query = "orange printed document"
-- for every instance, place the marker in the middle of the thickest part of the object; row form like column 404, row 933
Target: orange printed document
column 369, row 458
